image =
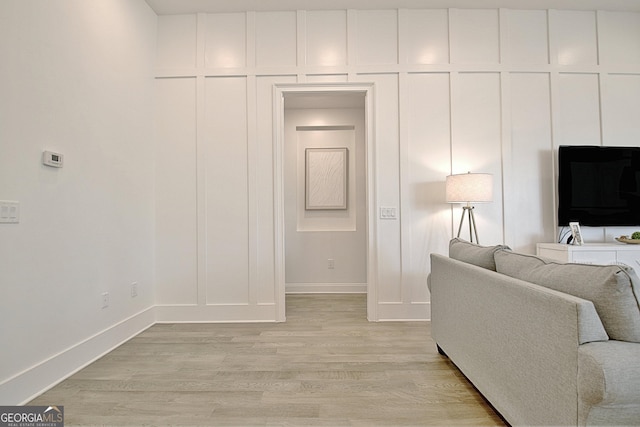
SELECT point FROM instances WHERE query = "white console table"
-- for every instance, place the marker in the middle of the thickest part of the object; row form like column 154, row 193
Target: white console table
column 592, row 253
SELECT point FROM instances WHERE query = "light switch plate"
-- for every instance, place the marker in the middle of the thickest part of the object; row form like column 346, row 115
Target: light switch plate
column 388, row 213
column 9, row 212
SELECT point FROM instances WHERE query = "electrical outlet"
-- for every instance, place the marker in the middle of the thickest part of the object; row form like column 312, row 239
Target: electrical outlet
column 331, row 264
column 134, row 289
column 105, row 299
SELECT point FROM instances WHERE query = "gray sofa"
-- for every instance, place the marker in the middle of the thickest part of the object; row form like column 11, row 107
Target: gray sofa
column 545, row 343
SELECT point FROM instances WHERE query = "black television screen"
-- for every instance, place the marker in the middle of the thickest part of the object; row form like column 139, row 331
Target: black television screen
column 599, row 186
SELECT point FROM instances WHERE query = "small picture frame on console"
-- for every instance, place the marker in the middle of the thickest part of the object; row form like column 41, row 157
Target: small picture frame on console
column 575, row 233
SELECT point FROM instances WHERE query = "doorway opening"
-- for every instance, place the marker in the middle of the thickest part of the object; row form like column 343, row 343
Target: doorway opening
column 324, row 198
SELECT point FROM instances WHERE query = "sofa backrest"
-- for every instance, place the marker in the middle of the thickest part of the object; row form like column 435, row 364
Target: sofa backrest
column 613, row 289
column 472, row 253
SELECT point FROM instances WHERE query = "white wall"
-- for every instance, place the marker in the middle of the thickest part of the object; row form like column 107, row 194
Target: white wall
column 456, row 90
column 76, row 78
column 314, row 237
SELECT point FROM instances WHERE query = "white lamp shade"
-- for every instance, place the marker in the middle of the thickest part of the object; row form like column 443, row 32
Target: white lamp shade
column 469, row 187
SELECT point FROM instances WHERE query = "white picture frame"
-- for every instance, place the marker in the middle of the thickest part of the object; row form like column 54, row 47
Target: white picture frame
column 576, row 233
column 326, row 173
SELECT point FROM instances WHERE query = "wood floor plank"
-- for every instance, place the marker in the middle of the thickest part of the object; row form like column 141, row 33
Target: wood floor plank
column 326, row 366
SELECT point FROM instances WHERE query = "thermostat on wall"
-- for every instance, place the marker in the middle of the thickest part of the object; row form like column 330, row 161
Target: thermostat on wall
column 50, row 158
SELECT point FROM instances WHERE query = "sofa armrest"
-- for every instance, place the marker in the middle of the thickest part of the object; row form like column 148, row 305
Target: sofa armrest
column 516, row 341
column 609, row 372
column 609, row 383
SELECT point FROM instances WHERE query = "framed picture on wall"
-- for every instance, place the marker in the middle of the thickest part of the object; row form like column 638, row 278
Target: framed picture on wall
column 326, row 171
column 575, row 233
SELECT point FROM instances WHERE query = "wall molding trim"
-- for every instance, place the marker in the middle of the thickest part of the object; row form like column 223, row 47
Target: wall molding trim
column 215, row 313
column 396, row 312
column 326, row 288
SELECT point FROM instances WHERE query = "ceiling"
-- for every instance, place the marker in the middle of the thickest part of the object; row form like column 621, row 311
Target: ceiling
column 176, row 7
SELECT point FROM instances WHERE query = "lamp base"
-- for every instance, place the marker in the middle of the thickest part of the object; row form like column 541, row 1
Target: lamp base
column 472, row 223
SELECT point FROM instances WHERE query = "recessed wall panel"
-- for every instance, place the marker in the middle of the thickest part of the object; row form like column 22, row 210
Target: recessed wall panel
column 327, row 78
column 578, row 119
column 387, row 154
column 226, row 191
column 426, row 36
column 377, row 37
column 429, row 160
column 621, row 110
column 176, row 41
column 176, row 227
column 573, row 37
column 476, row 144
column 530, row 181
column 475, row 36
column 619, row 35
column 326, row 37
column 276, row 39
column 225, row 40
column 527, row 37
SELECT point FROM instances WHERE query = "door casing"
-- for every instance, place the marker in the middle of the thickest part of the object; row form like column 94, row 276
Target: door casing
column 280, row 91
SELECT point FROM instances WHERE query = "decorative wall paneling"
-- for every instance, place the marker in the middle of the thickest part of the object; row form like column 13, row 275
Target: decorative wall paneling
column 176, row 214
column 455, row 90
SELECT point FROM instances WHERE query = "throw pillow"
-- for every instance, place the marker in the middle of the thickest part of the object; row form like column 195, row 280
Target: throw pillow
column 613, row 289
column 472, row 253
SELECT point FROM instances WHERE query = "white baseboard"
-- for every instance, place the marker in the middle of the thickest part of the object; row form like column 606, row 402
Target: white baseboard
column 326, row 288
column 30, row 383
column 397, row 312
column 215, row 313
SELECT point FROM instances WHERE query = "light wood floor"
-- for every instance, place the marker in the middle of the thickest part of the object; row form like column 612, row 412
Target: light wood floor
column 326, row 366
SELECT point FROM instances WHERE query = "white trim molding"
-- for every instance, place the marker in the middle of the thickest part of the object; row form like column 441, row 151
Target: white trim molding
column 326, row 288
column 215, row 313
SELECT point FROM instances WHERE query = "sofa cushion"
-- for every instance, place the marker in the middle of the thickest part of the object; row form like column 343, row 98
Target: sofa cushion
column 609, row 373
column 471, row 253
column 613, row 289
